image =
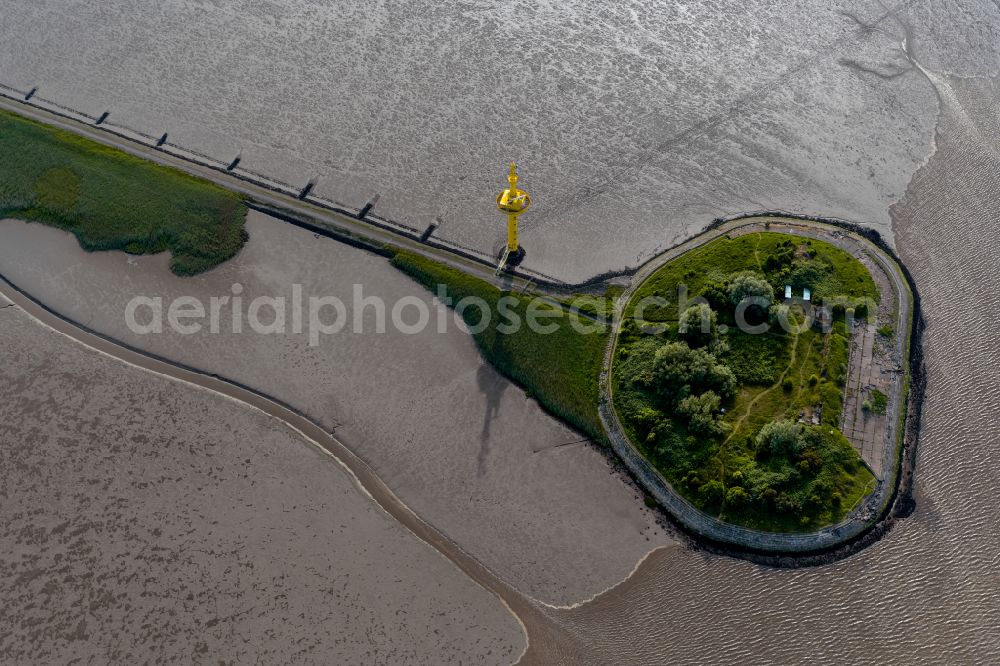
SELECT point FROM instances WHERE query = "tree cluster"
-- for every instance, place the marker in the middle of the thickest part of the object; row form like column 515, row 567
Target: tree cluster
column 751, row 287
column 690, row 383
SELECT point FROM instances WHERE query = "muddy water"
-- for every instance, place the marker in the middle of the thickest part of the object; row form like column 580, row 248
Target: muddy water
column 462, row 447
column 145, row 519
column 929, row 593
column 831, row 119
column 635, row 122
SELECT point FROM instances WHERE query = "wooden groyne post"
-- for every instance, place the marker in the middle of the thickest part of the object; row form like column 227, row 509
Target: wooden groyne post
column 307, row 189
column 430, row 229
column 367, row 208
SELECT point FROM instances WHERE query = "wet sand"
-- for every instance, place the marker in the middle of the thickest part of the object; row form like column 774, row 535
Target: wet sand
column 928, row 593
column 461, row 446
column 813, row 112
column 143, row 519
column 634, row 123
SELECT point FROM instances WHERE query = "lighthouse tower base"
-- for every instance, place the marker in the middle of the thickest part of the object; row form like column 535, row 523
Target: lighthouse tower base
column 513, row 258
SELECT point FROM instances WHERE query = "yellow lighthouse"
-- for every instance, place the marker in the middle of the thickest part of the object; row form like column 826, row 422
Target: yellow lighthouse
column 513, row 202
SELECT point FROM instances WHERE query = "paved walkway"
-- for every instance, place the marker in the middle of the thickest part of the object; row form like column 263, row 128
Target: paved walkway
column 866, row 431
column 686, row 513
column 876, row 363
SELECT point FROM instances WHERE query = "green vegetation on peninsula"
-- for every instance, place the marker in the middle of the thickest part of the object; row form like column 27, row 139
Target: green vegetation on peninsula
column 559, row 368
column 113, row 201
column 745, row 425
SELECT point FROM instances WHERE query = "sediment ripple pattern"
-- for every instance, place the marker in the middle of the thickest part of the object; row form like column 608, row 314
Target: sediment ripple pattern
column 929, row 593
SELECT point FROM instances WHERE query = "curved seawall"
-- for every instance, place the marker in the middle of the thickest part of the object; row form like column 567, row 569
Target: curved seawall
column 864, row 525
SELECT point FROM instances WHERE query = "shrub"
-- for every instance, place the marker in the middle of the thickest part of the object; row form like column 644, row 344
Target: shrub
column 736, row 497
column 878, row 402
column 810, row 460
column 788, row 503
column 779, row 313
column 754, row 359
column 751, row 285
column 781, row 438
column 768, row 497
column 712, row 492
column 679, row 371
column 717, row 295
column 809, row 274
column 647, row 419
column 701, row 412
column 698, row 325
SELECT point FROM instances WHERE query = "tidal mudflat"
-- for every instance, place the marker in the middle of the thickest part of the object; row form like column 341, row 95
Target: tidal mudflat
column 927, row 593
column 145, row 519
column 634, row 123
column 462, row 446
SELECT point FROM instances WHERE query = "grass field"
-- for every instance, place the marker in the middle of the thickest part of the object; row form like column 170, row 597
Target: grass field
column 794, row 377
column 113, row 201
column 727, row 255
column 560, row 369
